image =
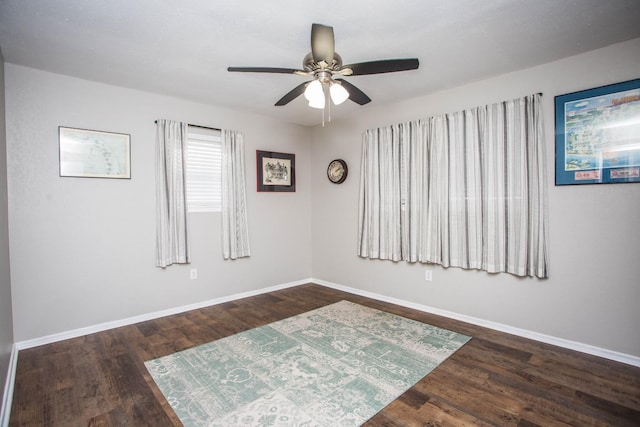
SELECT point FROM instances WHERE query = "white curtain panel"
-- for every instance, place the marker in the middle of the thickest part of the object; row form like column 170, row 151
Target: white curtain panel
column 172, row 244
column 466, row 190
column 235, row 225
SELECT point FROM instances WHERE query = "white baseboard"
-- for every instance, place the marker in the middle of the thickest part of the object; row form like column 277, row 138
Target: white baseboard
column 7, row 396
column 572, row 345
column 149, row 316
column 560, row 342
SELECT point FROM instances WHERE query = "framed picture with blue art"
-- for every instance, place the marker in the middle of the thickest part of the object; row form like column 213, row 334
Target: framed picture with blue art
column 598, row 135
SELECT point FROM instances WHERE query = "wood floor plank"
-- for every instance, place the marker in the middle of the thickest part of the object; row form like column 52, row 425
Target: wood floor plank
column 496, row 379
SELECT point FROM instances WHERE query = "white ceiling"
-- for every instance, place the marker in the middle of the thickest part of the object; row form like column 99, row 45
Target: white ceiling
column 183, row 48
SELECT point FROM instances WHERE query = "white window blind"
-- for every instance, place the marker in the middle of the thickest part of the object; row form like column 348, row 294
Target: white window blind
column 204, row 171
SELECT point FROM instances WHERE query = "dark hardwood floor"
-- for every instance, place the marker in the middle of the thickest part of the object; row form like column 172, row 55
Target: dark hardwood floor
column 496, row 379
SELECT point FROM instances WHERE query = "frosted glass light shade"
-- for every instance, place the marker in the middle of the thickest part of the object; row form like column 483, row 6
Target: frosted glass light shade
column 317, row 103
column 315, row 94
column 338, row 93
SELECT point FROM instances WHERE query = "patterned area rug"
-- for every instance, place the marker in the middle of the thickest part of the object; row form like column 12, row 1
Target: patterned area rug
column 334, row 366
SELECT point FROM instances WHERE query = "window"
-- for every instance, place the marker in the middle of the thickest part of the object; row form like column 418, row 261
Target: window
column 464, row 189
column 204, row 170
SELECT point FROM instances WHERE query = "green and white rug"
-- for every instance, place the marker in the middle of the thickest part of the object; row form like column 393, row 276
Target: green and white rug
column 334, row 366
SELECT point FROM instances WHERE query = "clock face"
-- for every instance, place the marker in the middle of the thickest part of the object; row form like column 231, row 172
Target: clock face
column 337, row 171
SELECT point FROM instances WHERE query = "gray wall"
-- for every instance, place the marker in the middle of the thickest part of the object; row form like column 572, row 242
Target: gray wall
column 6, row 318
column 593, row 293
column 83, row 250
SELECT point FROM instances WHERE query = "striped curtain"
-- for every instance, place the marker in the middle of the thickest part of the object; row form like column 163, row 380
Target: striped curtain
column 462, row 190
column 172, row 245
column 235, row 227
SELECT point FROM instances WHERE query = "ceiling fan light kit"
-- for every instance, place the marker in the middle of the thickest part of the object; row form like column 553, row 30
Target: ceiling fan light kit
column 323, row 63
column 338, row 93
column 315, row 94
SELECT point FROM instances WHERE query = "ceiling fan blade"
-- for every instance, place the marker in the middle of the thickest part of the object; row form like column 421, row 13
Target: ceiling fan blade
column 383, row 66
column 293, row 94
column 264, row 70
column 355, row 94
column 322, row 43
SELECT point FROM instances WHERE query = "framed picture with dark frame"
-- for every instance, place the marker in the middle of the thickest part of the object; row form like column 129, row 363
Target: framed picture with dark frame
column 276, row 172
column 598, row 135
column 94, row 154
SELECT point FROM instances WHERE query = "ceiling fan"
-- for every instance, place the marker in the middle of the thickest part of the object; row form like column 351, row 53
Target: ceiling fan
column 324, row 64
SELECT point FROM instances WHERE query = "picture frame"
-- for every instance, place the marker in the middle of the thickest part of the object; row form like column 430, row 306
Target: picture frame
column 276, row 172
column 598, row 135
column 94, row 154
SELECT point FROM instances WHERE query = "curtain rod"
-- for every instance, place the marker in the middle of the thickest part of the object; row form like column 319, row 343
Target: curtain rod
column 218, row 129
column 197, row 126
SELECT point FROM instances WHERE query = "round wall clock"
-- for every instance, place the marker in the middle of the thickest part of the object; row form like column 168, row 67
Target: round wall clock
column 337, row 171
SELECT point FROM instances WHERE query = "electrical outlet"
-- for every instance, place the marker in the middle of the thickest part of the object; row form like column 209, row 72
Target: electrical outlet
column 193, row 273
column 428, row 275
